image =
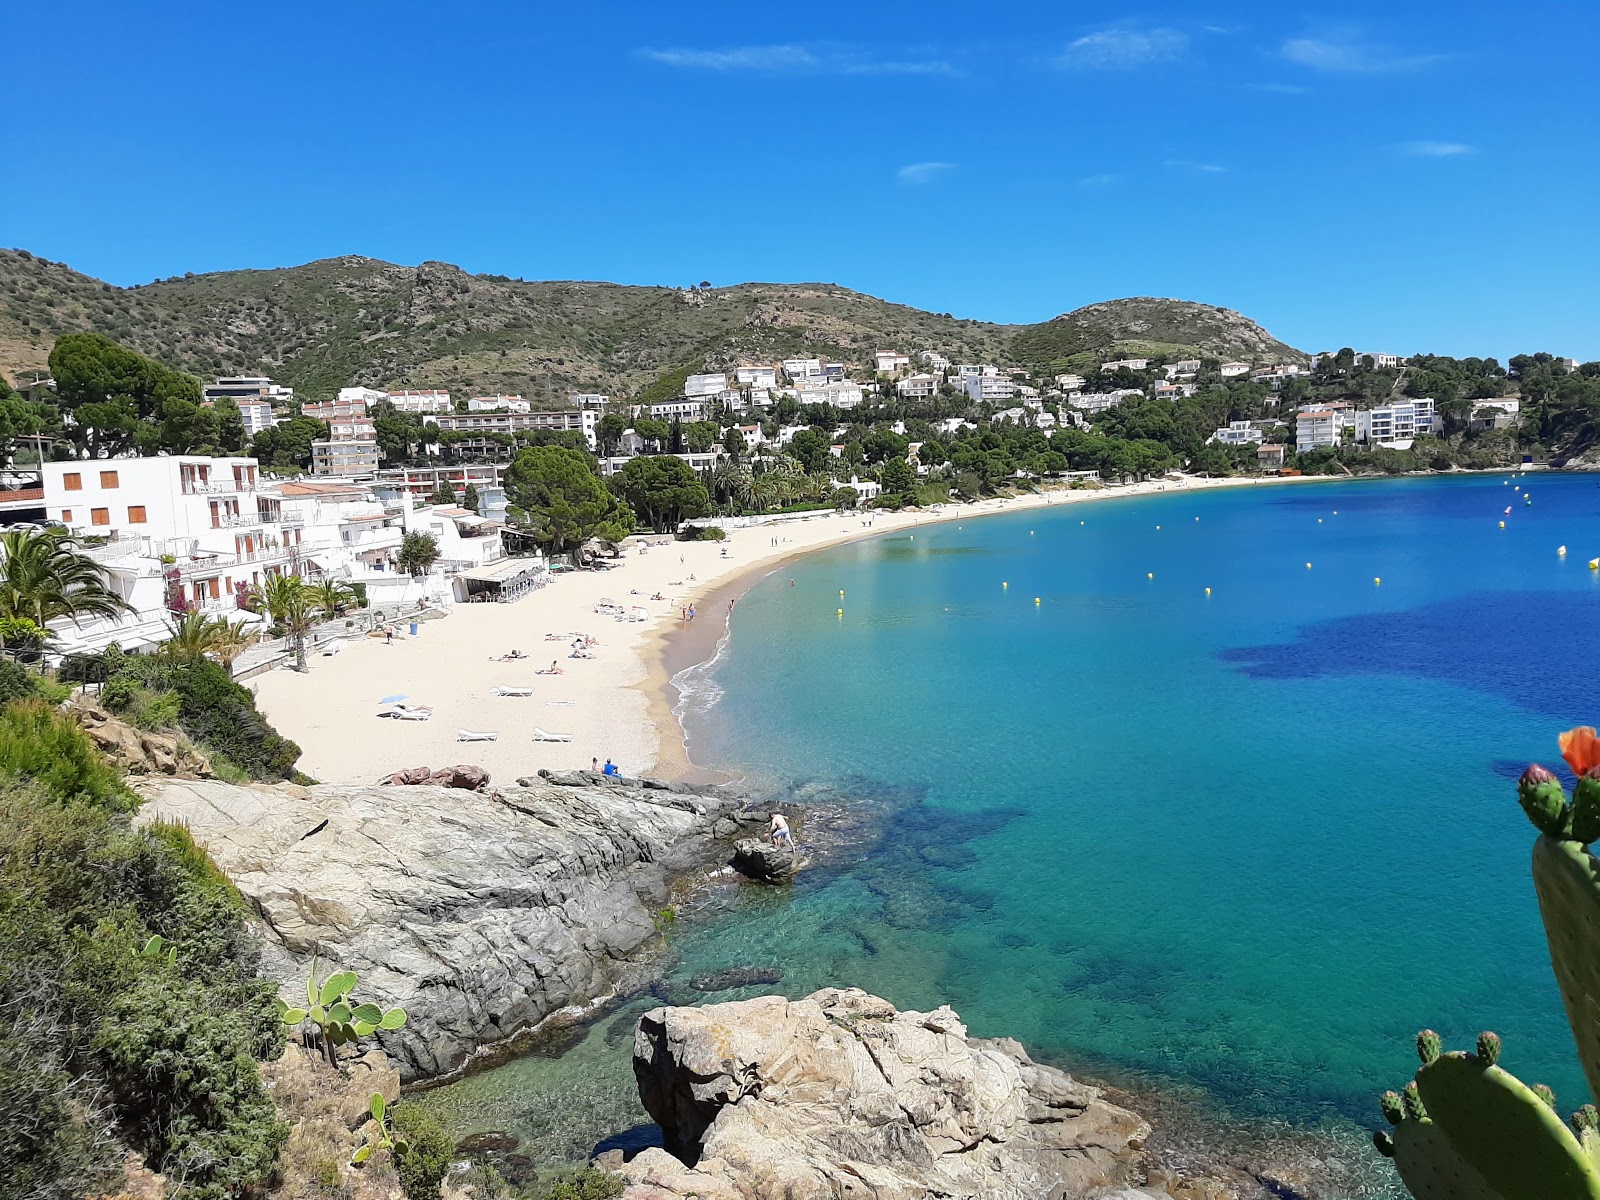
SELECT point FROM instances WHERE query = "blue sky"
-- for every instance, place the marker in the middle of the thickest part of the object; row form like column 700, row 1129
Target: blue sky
column 1400, row 177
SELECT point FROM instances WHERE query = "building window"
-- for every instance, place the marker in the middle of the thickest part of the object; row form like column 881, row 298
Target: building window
column 66, row 516
column 135, row 514
column 108, row 479
column 72, row 481
column 100, row 516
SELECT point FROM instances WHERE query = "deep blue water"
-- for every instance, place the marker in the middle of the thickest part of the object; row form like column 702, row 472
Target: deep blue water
column 1251, row 841
column 1246, row 843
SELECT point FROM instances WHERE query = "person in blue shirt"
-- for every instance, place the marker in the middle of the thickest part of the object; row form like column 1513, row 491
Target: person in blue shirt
column 611, row 768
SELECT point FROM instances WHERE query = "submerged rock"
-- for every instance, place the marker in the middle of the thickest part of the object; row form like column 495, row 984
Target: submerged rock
column 496, row 1141
column 481, row 913
column 763, row 861
column 839, row 1094
column 733, row 977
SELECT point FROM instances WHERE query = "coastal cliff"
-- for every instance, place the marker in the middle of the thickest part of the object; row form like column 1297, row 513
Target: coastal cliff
column 840, row 1094
column 480, row 912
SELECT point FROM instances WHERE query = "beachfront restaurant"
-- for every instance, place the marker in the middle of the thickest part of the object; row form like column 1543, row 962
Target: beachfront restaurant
column 501, row 582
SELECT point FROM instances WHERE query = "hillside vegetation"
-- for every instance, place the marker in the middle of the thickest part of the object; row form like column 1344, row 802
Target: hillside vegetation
column 341, row 321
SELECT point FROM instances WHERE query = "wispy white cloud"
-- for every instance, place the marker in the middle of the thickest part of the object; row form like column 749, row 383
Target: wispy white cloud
column 793, row 58
column 923, row 172
column 1435, row 149
column 1204, row 168
column 1346, row 54
column 1121, row 49
column 1098, row 181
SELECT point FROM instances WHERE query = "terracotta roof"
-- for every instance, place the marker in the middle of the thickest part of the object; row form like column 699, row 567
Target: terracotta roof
column 318, row 489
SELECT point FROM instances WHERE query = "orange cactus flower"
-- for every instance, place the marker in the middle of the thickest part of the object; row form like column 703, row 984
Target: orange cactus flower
column 1581, row 748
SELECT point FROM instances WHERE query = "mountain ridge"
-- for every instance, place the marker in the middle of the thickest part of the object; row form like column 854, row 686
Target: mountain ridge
column 353, row 319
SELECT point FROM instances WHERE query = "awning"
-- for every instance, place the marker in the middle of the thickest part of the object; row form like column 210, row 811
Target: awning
column 510, row 570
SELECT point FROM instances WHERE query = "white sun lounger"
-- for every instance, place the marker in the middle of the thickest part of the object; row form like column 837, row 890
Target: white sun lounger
column 470, row 735
column 505, row 690
column 541, row 735
column 407, row 712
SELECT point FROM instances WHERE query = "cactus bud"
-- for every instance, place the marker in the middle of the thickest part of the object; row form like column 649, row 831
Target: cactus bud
column 1427, row 1046
column 1586, row 1118
column 1541, row 797
column 1489, row 1047
column 1586, row 807
column 1383, row 1142
column 1412, row 1100
column 1544, row 1094
column 1394, row 1109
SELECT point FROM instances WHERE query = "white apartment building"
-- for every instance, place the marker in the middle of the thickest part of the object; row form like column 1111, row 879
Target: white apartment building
column 1096, row 402
column 832, row 372
column 1238, row 433
column 752, row 436
column 1379, row 360
column 700, row 386
column 345, row 532
column 1232, row 370
column 246, row 387
column 185, row 529
column 918, row 387
column 934, row 361
column 1184, row 368
column 966, row 371
column 700, row 461
column 466, row 540
column 581, row 420
column 347, row 420
column 1317, row 428
column 1070, row 383
column 681, row 410
column 590, row 400
column 510, row 404
column 989, row 387
column 257, row 416
column 1400, row 421
column 424, row 481
column 347, row 457
column 756, row 378
column 1133, row 364
column 889, row 363
column 801, row 370
column 840, row 395
column 421, row 402
column 1277, row 376
column 361, row 395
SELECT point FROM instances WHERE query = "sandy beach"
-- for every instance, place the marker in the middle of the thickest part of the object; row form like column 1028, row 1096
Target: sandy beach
column 617, row 704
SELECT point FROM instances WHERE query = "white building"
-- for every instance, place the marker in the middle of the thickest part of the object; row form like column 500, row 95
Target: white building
column 989, row 387
column 346, row 457
column 361, row 395
column 1184, row 368
column 840, row 395
column 752, row 436
column 867, row 490
column 421, row 402
column 802, row 370
column 758, row 379
column 699, row 460
column 508, row 404
column 257, row 416
column 1233, row 370
column 465, row 539
column 700, row 386
column 1132, row 364
column 1276, row 376
column 1317, row 429
column 1070, row 383
column 1400, row 421
column 1379, row 360
column 590, row 400
column 918, row 387
column 1096, row 402
column 952, row 425
column 889, row 363
column 681, row 410
column 561, row 420
column 966, row 371
column 934, row 361
column 347, row 419
column 246, row 387
column 1238, row 433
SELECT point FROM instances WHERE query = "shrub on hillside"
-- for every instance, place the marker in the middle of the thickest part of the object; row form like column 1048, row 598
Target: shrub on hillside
column 16, row 683
column 428, row 1154
column 701, row 533
column 41, row 745
column 213, row 710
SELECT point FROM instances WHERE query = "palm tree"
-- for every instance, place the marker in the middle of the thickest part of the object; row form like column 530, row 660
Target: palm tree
column 192, row 637
column 230, row 640
column 44, row 577
column 289, row 602
column 332, row 597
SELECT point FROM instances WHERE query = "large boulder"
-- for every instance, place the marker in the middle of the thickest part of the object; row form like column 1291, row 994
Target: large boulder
column 480, row 912
column 840, row 1095
column 756, row 859
column 139, row 751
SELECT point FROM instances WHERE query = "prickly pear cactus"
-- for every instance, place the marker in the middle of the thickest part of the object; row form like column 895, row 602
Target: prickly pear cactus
column 1468, row 1130
column 1566, row 878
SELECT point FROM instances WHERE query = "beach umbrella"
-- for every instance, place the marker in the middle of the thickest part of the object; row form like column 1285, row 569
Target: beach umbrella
column 392, row 699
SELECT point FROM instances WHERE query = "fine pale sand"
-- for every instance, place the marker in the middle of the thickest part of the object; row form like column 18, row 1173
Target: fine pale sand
column 617, row 705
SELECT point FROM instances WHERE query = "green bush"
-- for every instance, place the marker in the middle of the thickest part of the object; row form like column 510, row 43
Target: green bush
column 40, row 744
column 16, row 683
column 360, row 590
column 701, row 533
column 428, row 1154
column 590, row 1183
column 119, row 693
column 153, row 710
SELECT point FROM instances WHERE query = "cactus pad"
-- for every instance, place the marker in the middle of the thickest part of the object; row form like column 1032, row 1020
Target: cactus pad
column 1567, row 879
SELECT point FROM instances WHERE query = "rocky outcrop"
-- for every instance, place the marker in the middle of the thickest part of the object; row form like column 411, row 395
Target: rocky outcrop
column 481, row 913
column 763, row 861
column 473, row 779
column 139, row 751
column 840, row 1095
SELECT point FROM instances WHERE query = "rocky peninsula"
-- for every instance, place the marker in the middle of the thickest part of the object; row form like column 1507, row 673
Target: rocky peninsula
column 481, row 911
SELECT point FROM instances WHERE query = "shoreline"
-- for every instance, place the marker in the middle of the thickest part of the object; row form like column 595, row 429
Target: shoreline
column 618, row 701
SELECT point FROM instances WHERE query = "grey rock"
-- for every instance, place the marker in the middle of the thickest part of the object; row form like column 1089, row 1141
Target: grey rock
column 763, row 861
column 482, row 913
column 733, row 977
column 841, row 1095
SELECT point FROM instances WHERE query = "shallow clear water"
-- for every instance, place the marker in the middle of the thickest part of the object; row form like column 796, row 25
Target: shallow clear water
column 1248, row 842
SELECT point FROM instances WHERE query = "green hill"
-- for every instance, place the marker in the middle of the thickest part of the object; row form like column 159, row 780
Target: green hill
column 341, row 321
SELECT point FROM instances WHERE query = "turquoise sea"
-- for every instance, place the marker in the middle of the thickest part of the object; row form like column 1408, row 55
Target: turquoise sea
column 1242, row 844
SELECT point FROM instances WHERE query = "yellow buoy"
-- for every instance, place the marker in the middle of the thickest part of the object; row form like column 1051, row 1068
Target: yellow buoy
column 1208, row 591
column 1376, row 580
column 1502, row 524
column 841, row 591
column 1004, row 584
column 1308, row 566
column 1594, row 564
column 1562, row 551
column 1030, row 533
column 841, row 612
column 1082, row 522
column 1158, row 529
column 1150, row 575
column 1036, row 600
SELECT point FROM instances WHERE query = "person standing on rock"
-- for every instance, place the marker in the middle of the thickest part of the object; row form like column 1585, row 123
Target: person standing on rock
column 779, row 833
